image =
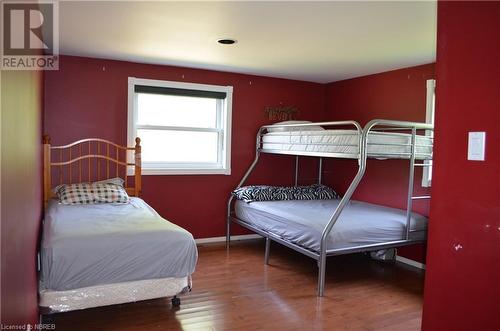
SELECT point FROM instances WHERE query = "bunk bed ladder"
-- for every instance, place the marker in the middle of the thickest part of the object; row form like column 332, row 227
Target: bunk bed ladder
column 411, row 180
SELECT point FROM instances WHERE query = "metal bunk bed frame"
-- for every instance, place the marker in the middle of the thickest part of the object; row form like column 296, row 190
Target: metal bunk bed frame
column 361, row 156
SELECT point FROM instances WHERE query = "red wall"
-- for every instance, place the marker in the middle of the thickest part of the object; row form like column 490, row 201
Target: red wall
column 397, row 95
column 462, row 285
column 21, row 197
column 88, row 97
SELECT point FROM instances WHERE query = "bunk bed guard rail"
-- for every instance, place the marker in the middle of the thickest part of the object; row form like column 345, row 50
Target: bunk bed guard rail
column 361, row 156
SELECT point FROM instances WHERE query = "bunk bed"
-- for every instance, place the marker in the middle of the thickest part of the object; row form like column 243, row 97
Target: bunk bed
column 101, row 244
column 322, row 228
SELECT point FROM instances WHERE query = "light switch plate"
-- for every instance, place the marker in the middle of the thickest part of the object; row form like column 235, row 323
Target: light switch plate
column 476, row 148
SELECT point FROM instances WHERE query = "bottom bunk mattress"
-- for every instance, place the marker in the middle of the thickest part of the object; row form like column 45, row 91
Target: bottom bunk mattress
column 302, row 222
column 99, row 244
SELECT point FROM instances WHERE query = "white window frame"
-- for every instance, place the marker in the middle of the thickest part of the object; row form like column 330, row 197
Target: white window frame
column 430, row 109
column 224, row 112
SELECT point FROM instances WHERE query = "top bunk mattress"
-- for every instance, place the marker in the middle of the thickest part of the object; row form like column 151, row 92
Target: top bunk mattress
column 302, row 222
column 88, row 245
column 346, row 143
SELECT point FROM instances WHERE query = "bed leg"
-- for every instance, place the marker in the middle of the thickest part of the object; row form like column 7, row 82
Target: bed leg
column 321, row 274
column 268, row 247
column 228, row 232
column 47, row 318
column 176, row 302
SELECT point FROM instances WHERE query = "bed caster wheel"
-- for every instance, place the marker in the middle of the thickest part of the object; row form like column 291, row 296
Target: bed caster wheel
column 176, row 302
column 48, row 319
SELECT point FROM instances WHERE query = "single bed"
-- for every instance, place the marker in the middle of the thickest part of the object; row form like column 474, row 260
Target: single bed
column 302, row 222
column 107, row 253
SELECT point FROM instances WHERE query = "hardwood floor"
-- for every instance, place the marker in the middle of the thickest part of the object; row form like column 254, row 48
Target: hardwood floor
column 234, row 290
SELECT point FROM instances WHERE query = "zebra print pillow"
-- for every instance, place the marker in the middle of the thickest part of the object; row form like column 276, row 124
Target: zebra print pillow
column 274, row 193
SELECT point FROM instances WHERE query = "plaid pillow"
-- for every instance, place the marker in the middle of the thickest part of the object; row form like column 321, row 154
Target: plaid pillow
column 116, row 181
column 91, row 193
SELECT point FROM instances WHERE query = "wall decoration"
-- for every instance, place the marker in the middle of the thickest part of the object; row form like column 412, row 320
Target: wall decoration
column 281, row 113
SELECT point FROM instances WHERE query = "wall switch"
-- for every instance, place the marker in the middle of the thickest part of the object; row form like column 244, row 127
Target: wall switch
column 476, row 146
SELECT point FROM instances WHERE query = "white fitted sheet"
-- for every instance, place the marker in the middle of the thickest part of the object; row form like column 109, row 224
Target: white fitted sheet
column 379, row 144
column 302, row 222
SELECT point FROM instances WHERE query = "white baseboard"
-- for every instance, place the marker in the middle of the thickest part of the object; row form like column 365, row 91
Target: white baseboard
column 223, row 239
column 410, row 262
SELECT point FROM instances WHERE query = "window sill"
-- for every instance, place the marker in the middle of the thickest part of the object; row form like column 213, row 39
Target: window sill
column 149, row 172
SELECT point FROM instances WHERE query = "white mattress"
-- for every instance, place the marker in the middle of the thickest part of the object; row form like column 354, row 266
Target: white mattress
column 302, row 222
column 112, row 294
column 380, row 144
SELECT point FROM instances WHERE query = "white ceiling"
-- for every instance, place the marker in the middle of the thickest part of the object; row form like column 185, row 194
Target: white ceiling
column 312, row 41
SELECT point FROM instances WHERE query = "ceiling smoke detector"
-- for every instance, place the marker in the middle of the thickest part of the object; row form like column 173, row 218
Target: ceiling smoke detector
column 226, row 41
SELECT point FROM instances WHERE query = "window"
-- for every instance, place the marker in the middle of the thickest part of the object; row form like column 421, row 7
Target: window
column 184, row 128
column 429, row 118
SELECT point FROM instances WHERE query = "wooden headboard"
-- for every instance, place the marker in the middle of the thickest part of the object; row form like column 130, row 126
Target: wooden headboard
column 89, row 160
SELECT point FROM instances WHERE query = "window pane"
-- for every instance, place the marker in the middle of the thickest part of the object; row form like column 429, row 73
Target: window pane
column 170, row 110
column 178, row 146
